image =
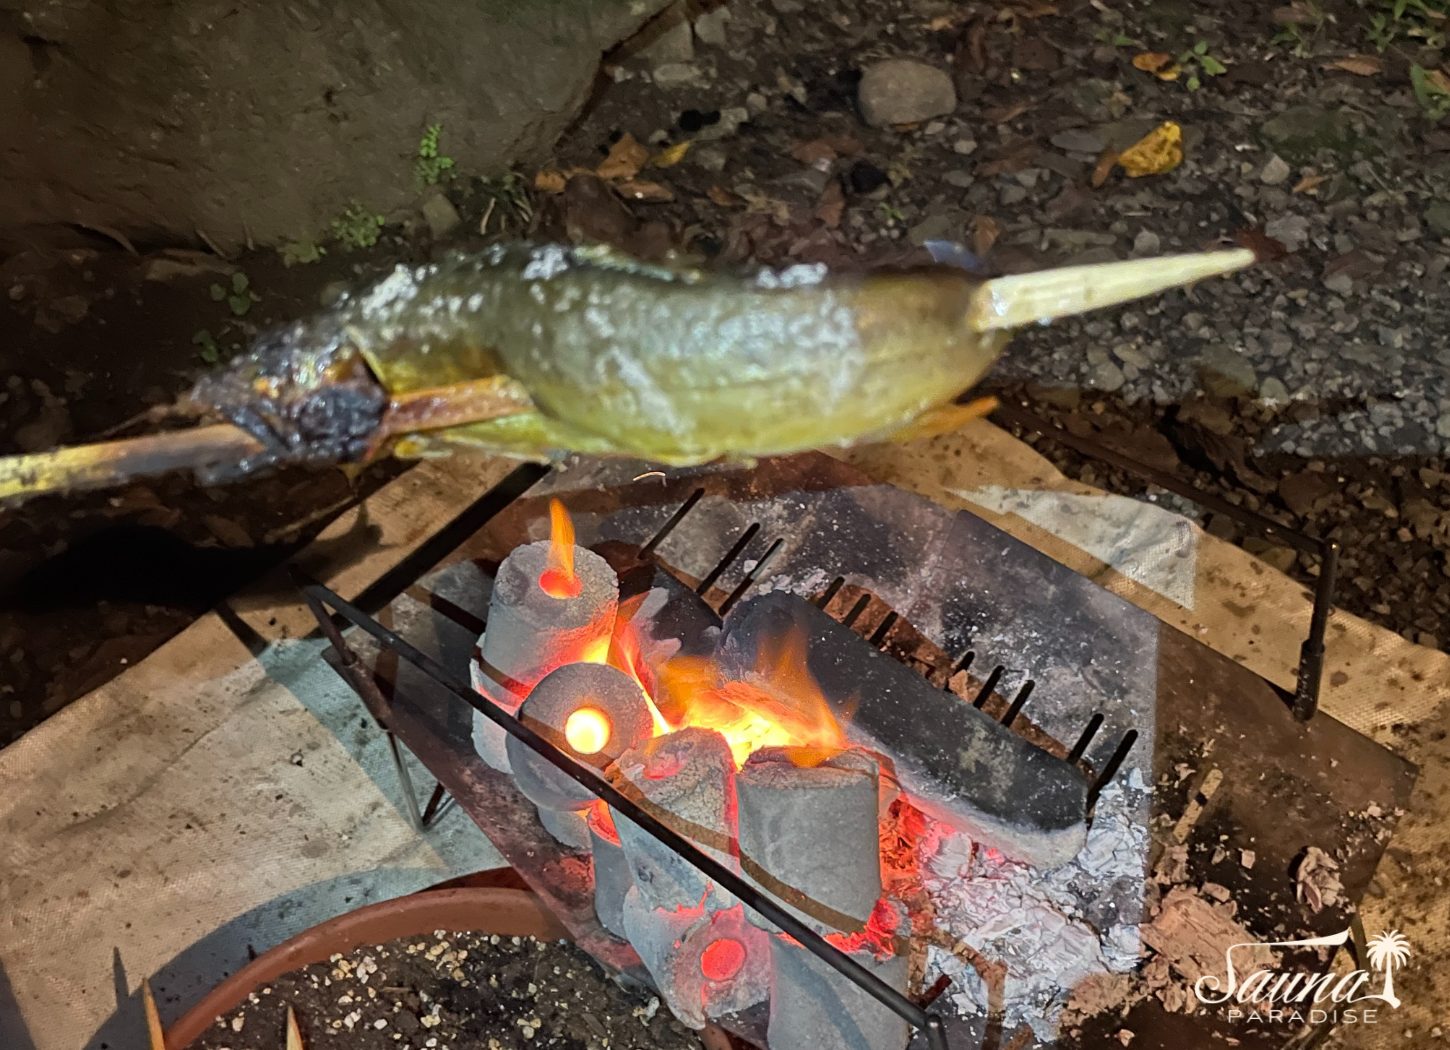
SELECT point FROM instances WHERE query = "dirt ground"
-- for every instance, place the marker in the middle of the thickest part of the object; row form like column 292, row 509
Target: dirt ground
column 1314, row 388
column 463, row 991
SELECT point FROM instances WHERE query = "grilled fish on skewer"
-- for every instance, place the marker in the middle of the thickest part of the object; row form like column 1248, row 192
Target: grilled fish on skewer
column 529, row 350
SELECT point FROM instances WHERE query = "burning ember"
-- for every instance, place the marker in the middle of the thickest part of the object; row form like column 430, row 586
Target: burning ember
column 559, row 580
column 587, row 730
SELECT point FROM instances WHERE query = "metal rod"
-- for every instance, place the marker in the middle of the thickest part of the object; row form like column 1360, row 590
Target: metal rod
column 1311, row 653
column 669, row 526
column 1111, row 769
column 989, row 686
column 888, row 621
column 406, row 782
column 750, row 578
column 831, row 591
column 849, row 620
column 1080, row 748
column 1018, row 703
column 730, row 556
column 317, row 594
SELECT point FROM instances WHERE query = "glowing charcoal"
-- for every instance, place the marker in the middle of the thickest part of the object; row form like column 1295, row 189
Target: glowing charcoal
column 531, row 631
column 809, row 833
column 616, row 702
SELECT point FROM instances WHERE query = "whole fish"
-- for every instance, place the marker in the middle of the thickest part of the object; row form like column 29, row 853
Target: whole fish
column 531, row 350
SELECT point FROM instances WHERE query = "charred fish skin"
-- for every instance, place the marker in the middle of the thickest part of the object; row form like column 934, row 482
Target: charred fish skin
column 677, row 366
column 303, row 391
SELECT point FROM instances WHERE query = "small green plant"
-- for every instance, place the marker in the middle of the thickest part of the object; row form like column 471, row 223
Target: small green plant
column 1197, row 60
column 1115, row 38
column 1390, row 20
column 240, row 298
column 889, row 213
column 357, row 227
column 300, row 253
column 1432, row 91
column 206, row 347
column 429, row 169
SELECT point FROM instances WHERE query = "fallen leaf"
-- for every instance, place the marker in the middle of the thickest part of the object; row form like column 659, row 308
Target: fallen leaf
column 1309, row 183
column 1439, row 79
column 1106, row 163
column 625, row 159
column 813, row 151
column 1018, row 157
column 1297, row 14
column 550, row 181
column 639, row 190
column 985, row 231
column 1359, row 65
column 1006, row 114
column 845, row 145
column 723, row 197
column 1156, row 153
column 832, row 202
column 672, row 156
column 940, row 22
column 1151, row 61
column 1264, row 247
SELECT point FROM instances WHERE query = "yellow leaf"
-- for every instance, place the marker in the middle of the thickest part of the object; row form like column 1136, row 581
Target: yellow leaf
column 1151, row 61
column 1309, row 183
column 1168, row 73
column 550, row 181
column 1156, row 153
column 625, row 159
column 1359, row 65
column 672, row 156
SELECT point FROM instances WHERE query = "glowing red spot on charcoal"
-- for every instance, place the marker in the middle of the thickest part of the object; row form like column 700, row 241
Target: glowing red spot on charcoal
column 602, row 821
column 722, row 959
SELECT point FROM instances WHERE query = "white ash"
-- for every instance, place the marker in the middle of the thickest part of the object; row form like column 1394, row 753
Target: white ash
column 808, row 585
column 1051, row 930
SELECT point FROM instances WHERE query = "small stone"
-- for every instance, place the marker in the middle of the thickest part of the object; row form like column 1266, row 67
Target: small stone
column 676, row 75
column 959, row 178
column 1079, row 140
column 708, row 158
column 441, row 216
column 1107, row 377
column 675, row 44
column 729, row 123
column 1275, row 172
column 1442, row 426
column 1437, row 217
column 756, row 103
column 965, row 147
column 1283, row 559
column 1224, row 372
column 710, row 27
column 1146, row 243
column 1247, row 857
column 1125, row 1036
column 936, row 127
column 1273, row 391
column 1012, row 194
column 1131, row 355
column 900, row 91
column 1292, row 231
column 1339, row 283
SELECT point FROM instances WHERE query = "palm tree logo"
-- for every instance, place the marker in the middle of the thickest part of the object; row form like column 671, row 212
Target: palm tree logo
column 1387, row 951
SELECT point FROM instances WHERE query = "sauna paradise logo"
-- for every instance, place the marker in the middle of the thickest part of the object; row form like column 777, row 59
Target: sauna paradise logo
column 1280, row 997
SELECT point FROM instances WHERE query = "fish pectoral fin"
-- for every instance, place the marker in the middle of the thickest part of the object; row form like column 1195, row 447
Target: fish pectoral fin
column 443, row 407
column 943, row 419
column 523, row 435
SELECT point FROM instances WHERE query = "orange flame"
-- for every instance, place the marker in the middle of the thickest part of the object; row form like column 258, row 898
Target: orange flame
column 781, row 706
column 559, row 580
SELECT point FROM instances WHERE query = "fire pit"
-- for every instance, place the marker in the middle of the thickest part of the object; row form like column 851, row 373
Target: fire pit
column 952, row 759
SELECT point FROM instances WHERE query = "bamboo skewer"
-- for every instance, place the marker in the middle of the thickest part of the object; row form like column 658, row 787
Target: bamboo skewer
column 112, row 462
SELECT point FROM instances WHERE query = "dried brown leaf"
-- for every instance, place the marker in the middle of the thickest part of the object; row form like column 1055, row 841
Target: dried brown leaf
column 985, row 231
column 813, row 151
column 1007, row 114
column 1151, row 61
column 723, row 197
column 831, row 204
column 1309, row 183
column 1264, row 247
column 626, row 158
column 639, row 190
column 550, row 181
column 1359, row 65
column 1106, row 163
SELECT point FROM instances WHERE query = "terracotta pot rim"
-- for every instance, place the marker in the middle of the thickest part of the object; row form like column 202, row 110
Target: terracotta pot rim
column 488, row 909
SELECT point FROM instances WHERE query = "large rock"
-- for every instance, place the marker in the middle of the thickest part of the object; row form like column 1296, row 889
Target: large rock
column 900, row 91
column 158, row 120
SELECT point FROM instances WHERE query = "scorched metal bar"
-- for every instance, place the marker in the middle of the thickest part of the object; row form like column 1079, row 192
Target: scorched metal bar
column 318, row 595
